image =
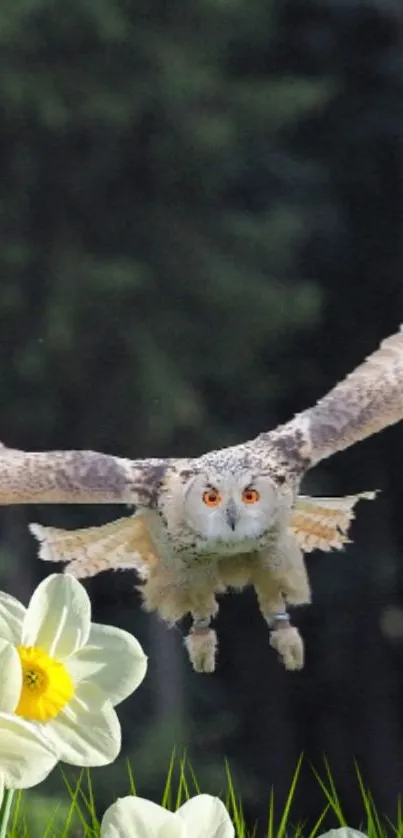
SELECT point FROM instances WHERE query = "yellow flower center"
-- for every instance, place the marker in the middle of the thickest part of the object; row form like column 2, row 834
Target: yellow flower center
column 46, row 685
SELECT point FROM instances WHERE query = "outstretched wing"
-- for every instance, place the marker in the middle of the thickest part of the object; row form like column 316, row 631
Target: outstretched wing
column 78, row 477
column 125, row 543
column 368, row 400
column 323, row 523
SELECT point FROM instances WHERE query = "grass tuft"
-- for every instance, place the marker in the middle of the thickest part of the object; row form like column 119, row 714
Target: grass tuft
column 78, row 817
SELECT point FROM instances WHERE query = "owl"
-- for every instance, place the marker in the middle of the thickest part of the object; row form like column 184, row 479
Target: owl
column 227, row 519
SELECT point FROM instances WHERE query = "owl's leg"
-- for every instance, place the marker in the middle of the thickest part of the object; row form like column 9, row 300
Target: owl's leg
column 284, row 637
column 173, row 599
column 288, row 566
column 201, row 641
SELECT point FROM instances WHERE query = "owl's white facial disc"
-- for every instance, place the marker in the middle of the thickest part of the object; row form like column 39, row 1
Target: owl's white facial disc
column 231, row 508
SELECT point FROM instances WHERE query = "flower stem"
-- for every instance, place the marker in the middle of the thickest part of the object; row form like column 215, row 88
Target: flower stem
column 5, row 811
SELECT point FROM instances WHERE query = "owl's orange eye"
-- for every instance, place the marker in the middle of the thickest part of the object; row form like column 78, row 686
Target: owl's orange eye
column 250, row 496
column 212, row 497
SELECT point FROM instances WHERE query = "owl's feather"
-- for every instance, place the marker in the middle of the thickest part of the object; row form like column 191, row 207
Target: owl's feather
column 316, row 523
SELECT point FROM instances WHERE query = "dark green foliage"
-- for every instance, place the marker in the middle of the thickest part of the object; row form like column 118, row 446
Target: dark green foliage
column 148, row 268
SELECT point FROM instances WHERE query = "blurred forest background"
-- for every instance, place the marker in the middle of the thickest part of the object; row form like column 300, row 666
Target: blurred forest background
column 202, row 231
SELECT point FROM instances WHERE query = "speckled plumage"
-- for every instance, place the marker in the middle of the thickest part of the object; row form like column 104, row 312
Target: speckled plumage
column 187, row 554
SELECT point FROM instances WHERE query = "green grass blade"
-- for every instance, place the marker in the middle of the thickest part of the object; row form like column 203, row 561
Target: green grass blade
column 234, row 805
column 132, row 785
column 330, row 793
column 194, row 779
column 183, row 792
column 167, row 794
column 74, row 804
column 316, row 827
column 374, row 828
column 287, row 807
column 16, row 812
column 270, row 824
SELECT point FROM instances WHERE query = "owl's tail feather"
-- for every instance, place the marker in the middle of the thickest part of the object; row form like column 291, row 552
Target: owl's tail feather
column 367, row 401
column 122, row 544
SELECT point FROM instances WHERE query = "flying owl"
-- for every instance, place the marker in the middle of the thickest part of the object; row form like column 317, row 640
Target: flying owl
column 227, row 519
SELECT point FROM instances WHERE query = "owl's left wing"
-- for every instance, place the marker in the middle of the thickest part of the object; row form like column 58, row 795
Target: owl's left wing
column 323, row 523
column 79, row 477
column 367, row 401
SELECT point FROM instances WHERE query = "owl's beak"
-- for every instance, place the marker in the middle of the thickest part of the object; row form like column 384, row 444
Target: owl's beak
column 232, row 514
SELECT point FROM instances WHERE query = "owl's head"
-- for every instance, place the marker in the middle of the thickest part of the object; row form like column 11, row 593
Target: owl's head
column 223, row 506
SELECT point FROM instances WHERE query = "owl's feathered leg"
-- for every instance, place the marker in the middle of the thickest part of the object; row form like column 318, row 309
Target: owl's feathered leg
column 284, row 637
column 173, row 598
column 286, row 640
column 288, row 567
column 201, row 644
column 283, row 578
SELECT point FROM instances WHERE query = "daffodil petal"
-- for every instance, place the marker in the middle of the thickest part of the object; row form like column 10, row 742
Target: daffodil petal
column 25, row 756
column 58, row 616
column 113, row 659
column 12, row 615
column 343, row 832
column 206, row 815
column 135, row 817
column 6, row 632
column 87, row 731
column 171, row 829
column 11, row 677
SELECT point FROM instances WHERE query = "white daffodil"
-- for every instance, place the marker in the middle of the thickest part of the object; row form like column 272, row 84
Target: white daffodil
column 343, row 832
column 133, row 817
column 25, row 757
column 63, row 674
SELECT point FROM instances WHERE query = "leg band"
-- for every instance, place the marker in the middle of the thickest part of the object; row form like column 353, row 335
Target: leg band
column 280, row 617
column 200, row 624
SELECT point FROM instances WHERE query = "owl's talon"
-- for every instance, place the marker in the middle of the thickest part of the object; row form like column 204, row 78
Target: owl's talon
column 288, row 643
column 201, row 644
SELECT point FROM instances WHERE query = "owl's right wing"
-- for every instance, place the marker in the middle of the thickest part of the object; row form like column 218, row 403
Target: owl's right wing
column 78, row 477
column 121, row 544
